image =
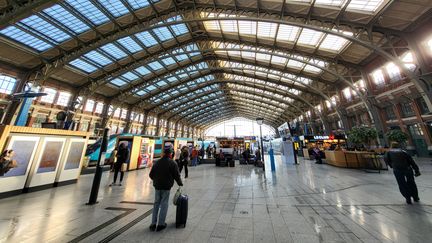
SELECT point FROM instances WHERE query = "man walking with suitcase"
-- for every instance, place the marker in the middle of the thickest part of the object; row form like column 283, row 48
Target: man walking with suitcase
column 163, row 174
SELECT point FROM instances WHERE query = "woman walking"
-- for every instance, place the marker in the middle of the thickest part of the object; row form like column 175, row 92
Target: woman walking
column 122, row 157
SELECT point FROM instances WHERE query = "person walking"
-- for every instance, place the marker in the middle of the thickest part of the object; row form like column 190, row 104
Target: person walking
column 163, row 174
column 403, row 165
column 194, row 156
column 177, row 156
column 184, row 160
column 122, row 157
column 317, row 155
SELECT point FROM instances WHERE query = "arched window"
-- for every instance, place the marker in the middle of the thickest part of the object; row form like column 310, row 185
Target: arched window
column 7, row 84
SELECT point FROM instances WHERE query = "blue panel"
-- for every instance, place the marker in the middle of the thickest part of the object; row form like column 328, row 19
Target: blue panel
column 163, row 33
column 168, row 61
column 117, row 81
column 85, row 66
column 141, row 93
column 142, row 70
column 26, row 39
column 44, row 28
column 67, row 19
column 130, row 76
column 181, row 57
column 114, row 51
column 115, row 7
column 161, row 83
column 89, row 10
column 151, row 88
column 179, row 29
column 155, row 65
column 98, row 58
column 146, row 38
column 171, row 79
column 23, row 112
column 130, row 44
column 137, row 4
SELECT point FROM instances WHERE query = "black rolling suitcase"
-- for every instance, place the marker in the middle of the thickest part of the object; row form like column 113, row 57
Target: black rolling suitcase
column 182, row 211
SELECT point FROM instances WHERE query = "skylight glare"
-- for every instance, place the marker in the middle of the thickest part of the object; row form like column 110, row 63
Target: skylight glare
column 309, row 37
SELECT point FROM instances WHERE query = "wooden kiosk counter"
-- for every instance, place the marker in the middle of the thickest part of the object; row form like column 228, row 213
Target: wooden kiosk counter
column 347, row 159
column 45, row 157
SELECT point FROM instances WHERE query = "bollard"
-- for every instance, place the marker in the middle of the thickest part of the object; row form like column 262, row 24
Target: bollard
column 272, row 160
column 98, row 174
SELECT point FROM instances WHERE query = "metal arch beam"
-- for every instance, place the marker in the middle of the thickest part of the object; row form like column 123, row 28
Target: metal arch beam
column 245, row 92
column 206, row 100
column 99, row 82
column 214, row 99
column 231, row 113
column 319, row 93
column 154, row 56
column 142, row 26
column 232, row 106
column 379, row 50
column 183, row 10
column 263, row 95
column 245, row 84
column 159, row 91
column 235, row 102
column 20, row 10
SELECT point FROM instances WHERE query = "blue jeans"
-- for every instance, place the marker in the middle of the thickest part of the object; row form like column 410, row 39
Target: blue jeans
column 160, row 206
column 194, row 161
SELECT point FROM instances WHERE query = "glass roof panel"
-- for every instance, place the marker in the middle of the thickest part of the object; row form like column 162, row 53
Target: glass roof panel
column 115, row 7
column 168, row 61
column 43, row 28
column 89, row 10
column 130, row 44
column 130, row 76
column 118, row 82
column 163, row 33
column 25, row 38
column 142, row 70
column 309, row 37
column 113, row 51
column 146, row 38
column 287, row 33
column 82, row 65
column 155, row 65
column 58, row 13
column 365, row 5
column 267, row 30
column 137, row 4
column 98, row 58
column 336, row 3
column 247, row 27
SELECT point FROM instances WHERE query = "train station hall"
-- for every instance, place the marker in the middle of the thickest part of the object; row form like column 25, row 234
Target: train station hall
column 273, row 121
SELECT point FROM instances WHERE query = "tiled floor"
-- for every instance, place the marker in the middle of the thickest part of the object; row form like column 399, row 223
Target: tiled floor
column 303, row 203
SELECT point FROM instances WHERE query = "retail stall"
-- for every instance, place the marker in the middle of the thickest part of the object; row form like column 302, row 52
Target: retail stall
column 323, row 142
column 45, row 157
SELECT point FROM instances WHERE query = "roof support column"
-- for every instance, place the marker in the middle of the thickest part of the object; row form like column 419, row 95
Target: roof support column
column 145, row 123
column 168, row 128
column 105, row 116
column 176, row 129
column 424, row 70
column 158, row 125
column 182, row 130
column 129, row 120
column 374, row 111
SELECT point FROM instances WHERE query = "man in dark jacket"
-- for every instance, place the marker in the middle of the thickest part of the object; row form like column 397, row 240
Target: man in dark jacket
column 163, row 174
column 403, row 166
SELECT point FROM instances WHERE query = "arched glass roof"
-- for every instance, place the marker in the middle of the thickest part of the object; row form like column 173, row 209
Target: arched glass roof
column 181, row 59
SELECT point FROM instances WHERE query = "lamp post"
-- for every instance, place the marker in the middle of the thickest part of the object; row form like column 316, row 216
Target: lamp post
column 260, row 121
